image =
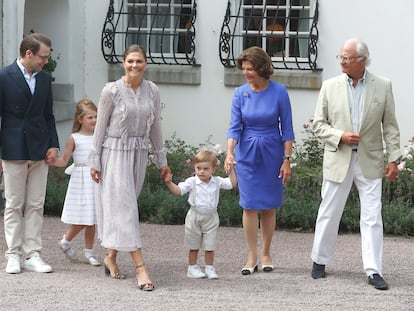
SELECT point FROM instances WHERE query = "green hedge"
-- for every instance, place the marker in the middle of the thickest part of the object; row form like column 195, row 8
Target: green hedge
column 301, row 197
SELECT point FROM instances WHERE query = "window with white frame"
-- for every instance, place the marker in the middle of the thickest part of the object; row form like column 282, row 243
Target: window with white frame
column 286, row 29
column 165, row 28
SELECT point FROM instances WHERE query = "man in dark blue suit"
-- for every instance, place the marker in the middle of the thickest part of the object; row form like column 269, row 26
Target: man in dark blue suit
column 29, row 144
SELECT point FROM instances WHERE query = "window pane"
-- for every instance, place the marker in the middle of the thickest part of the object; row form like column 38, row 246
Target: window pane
column 276, row 2
column 137, row 16
column 274, row 38
column 182, row 21
column 165, row 26
column 137, row 21
column 160, row 16
column 281, row 27
column 300, row 2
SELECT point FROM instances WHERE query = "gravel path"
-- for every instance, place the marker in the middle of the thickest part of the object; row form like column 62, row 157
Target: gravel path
column 79, row 286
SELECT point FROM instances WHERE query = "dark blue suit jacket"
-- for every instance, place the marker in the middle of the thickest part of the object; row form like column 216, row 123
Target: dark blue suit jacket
column 28, row 127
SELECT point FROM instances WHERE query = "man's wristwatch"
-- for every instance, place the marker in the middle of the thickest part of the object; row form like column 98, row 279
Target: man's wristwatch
column 398, row 161
column 287, row 157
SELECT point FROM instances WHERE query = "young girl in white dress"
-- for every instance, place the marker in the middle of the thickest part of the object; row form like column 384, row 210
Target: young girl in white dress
column 79, row 207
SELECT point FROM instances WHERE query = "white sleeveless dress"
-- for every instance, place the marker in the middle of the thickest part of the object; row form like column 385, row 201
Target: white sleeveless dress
column 79, row 206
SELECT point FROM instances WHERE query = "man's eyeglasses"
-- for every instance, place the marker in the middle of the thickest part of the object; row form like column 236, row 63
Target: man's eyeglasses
column 346, row 59
column 44, row 57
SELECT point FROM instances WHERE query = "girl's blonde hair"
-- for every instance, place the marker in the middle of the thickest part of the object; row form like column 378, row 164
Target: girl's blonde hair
column 81, row 107
column 206, row 156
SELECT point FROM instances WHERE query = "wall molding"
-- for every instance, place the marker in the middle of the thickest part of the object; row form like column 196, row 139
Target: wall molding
column 299, row 79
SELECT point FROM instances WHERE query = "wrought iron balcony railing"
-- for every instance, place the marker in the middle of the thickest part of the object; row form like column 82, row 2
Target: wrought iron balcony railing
column 286, row 29
column 164, row 28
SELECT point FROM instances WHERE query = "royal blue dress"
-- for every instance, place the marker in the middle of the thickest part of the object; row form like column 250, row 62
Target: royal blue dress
column 260, row 122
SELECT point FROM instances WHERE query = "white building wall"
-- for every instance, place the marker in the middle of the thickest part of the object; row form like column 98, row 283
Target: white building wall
column 55, row 25
column 195, row 112
column 96, row 70
column 12, row 28
column 386, row 28
column 74, row 27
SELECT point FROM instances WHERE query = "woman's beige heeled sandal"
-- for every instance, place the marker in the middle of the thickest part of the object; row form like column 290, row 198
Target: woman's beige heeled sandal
column 148, row 287
column 116, row 274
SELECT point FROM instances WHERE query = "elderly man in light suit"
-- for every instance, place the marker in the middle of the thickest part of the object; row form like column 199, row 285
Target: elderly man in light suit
column 354, row 116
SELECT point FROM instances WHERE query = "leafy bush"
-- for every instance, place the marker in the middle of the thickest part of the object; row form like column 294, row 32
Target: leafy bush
column 301, row 196
column 158, row 205
column 310, row 152
column 56, row 191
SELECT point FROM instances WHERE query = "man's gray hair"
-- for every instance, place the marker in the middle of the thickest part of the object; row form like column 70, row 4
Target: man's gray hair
column 362, row 50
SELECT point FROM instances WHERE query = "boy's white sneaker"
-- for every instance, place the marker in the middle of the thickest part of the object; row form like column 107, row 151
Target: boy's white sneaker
column 211, row 272
column 195, row 272
column 13, row 264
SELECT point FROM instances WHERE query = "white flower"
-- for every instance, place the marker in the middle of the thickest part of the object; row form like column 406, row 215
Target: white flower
column 217, row 149
column 150, row 159
column 409, row 156
column 401, row 166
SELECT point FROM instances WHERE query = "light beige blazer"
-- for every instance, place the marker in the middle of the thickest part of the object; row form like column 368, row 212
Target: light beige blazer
column 378, row 129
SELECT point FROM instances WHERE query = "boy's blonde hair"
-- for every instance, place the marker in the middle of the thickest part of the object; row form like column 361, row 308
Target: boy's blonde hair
column 81, row 107
column 206, row 156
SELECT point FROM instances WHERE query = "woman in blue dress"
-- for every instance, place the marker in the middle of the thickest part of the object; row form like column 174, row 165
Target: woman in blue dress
column 259, row 144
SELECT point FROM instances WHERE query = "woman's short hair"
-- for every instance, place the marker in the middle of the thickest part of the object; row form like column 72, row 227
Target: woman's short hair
column 261, row 61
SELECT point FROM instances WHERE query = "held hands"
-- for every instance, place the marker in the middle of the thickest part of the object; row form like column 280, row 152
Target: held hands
column 168, row 178
column 165, row 170
column 229, row 163
column 174, row 189
column 51, row 155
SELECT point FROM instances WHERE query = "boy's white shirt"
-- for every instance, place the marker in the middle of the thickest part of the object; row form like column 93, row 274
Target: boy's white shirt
column 204, row 197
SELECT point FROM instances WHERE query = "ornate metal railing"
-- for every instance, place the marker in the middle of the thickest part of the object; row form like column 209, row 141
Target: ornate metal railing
column 286, row 29
column 165, row 28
